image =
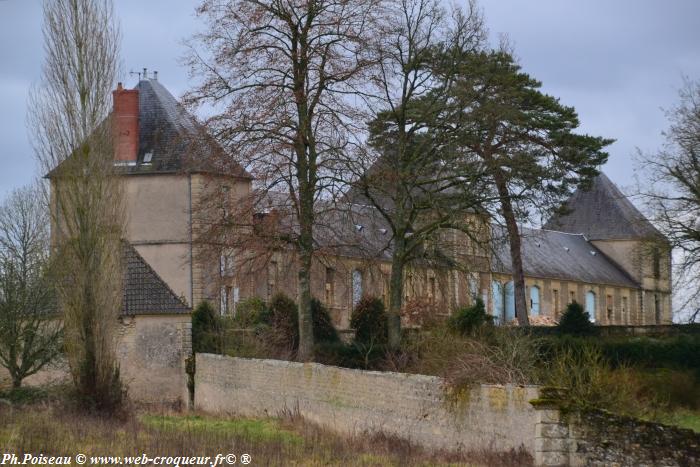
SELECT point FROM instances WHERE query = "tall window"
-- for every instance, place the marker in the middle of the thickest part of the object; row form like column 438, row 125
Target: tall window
column 356, row 280
column 498, row 309
column 572, row 296
column 555, row 302
column 534, row 300
column 225, row 292
column 330, row 286
column 610, row 307
column 657, row 308
column 473, row 287
column 509, row 293
column 625, row 311
column 590, row 305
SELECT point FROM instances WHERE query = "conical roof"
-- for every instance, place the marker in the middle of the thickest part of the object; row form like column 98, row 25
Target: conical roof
column 602, row 212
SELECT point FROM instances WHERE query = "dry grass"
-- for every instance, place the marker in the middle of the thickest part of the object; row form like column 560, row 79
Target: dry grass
column 51, row 429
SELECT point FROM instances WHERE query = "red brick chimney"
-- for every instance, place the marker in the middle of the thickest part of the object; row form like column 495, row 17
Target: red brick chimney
column 126, row 124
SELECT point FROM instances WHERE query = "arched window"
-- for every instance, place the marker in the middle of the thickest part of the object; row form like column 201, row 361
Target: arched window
column 591, row 305
column 510, row 301
column 534, row 300
column 497, row 292
column 356, row 287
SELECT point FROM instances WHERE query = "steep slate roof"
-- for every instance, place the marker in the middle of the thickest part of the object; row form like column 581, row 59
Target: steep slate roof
column 603, row 213
column 558, row 255
column 173, row 138
column 144, row 291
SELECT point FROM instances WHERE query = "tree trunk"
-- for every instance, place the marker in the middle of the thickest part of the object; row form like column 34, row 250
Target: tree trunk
column 306, row 332
column 306, row 219
column 395, row 297
column 516, row 257
column 16, row 382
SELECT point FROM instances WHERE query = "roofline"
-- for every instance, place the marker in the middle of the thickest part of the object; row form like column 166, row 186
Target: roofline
column 51, row 175
column 636, row 286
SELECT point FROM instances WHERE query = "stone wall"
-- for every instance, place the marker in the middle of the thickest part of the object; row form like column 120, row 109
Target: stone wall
column 597, row 438
column 417, row 408
column 413, row 407
column 152, row 350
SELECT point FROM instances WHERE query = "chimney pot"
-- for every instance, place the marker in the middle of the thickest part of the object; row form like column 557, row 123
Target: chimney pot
column 125, row 124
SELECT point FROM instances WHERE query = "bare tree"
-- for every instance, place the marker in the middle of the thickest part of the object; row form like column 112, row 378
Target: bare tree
column 281, row 75
column 72, row 135
column 30, row 333
column 672, row 192
column 409, row 171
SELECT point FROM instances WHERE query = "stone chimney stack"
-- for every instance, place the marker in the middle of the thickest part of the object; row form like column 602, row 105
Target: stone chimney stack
column 126, row 124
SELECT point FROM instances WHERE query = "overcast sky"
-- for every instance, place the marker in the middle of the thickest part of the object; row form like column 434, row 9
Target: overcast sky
column 618, row 62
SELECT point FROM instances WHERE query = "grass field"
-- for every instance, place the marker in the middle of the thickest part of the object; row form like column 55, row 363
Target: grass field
column 51, row 429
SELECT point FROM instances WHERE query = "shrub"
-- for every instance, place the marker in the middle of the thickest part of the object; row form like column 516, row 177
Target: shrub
column 324, row 331
column 355, row 355
column 469, row 319
column 369, row 319
column 575, row 321
column 206, row 329
column 672, row 352
column 591, row 381
column 283, row 319
column 250, row 312
column 504, row 356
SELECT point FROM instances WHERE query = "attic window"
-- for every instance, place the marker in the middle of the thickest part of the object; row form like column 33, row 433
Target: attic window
column 147, row 157
column 382, row 231
column 593, row 253
column 359, row 227
column 566, row 248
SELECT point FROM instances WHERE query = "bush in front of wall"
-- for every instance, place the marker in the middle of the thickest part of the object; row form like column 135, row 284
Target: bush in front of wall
column 369, row 320
column 575, row 321
column 283, row 319
column 250, row 312
column 468, row 320
column 206, row 329
column 324, row 331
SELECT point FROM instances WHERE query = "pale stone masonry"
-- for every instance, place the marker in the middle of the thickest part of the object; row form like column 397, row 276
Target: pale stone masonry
column 421, row 409
column 413, row 407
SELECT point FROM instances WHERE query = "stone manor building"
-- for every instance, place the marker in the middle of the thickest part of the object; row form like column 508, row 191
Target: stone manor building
column 603, row 253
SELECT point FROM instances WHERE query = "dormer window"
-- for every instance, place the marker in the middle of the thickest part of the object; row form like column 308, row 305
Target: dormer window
column 147, row 157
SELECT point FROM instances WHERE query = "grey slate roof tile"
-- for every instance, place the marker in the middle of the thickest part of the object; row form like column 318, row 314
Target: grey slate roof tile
column 174, row 139
column 559, row 255
column 144, row 291
column 603, row 212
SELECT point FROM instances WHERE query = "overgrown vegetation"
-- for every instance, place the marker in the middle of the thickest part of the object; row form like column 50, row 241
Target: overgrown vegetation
column 52, row 430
